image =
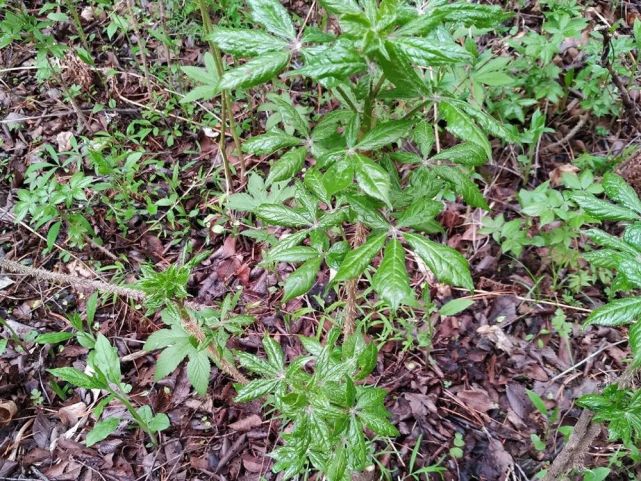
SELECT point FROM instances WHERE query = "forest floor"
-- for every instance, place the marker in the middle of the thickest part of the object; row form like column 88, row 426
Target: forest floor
column 469, row 376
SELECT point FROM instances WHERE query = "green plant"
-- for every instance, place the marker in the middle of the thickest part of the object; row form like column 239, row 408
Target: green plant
column 36, row 397
column 376, row 71
column 103, row 372
column 459, row 443
column 323, row 410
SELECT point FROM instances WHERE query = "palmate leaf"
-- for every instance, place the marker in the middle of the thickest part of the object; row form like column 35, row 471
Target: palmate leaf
column 615, row 313
column 447, row 264
column 245, row 43
column 254, row 72
column 289, row 114
column 255, row 389
column 357, row 260
column 391, row 280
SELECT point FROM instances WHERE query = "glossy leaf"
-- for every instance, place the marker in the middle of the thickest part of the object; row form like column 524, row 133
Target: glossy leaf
column 269, row 143
column 372, row 178
column 245, row 43
column 461, row 124
column 391, row 280
column 616, row 313
column 463, row 185
column 384, row 134
column 466, row 153
column 75, row 377
column 601, row 209
column 281, row 215
column 301, row 280
column 273, row 16
column 255, row 71
column 447, row 264
column 357, row 260
column 621, row 192
column 287, row 166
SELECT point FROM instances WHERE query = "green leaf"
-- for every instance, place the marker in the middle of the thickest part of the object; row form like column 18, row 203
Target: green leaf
column 102, row 430
column 367, row 211
column 76, row 377
column 391, row 280
column 357, row 260
column 289, row 114
column 432, row 51
column 462, row 126
column 294, row 254
column 608, row 240
column 338, row 61
column 377, row 422
column 274, row 352
column 455, row 306
column 201, row 75
column 273, row 16
column 631, row 269
column 615, row 313
column 372, row 178
column 358, row 447
column 313, row 180
column 159, row 423
column 256, row 365
column 463, row 185
column 422, row 210
column 269, row 143
column 166, row 337
column 245, row 43
column 620, row 191
column 53, row 337
column 301, row 280
column 338, row 177
column 52, row 234
column 106, row 359
column 202, row 92
column 281, row 215
column 466, row 153
column 170, row 358
column 255, row 389
column 601, row 209
column 384, row 134
column 287, row 166
column 255, row 71
column 447, row 264
column 366, row 360
column 341, row 7
column 399, row 70
column 199, row 370
column 634, row 334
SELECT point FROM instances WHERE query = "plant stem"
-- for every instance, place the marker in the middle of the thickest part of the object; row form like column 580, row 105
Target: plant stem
column 213, row 353
column 368, row 108
column 134, row 414
column 141, row 45
column 83, row 284
column 76, row 20
column 348, row 101
column 227, row 115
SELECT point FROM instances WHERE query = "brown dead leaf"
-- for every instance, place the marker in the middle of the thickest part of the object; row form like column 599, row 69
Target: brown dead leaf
column 247, row 424
column 477, row 399
column 497, row 337
column 557, row 174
